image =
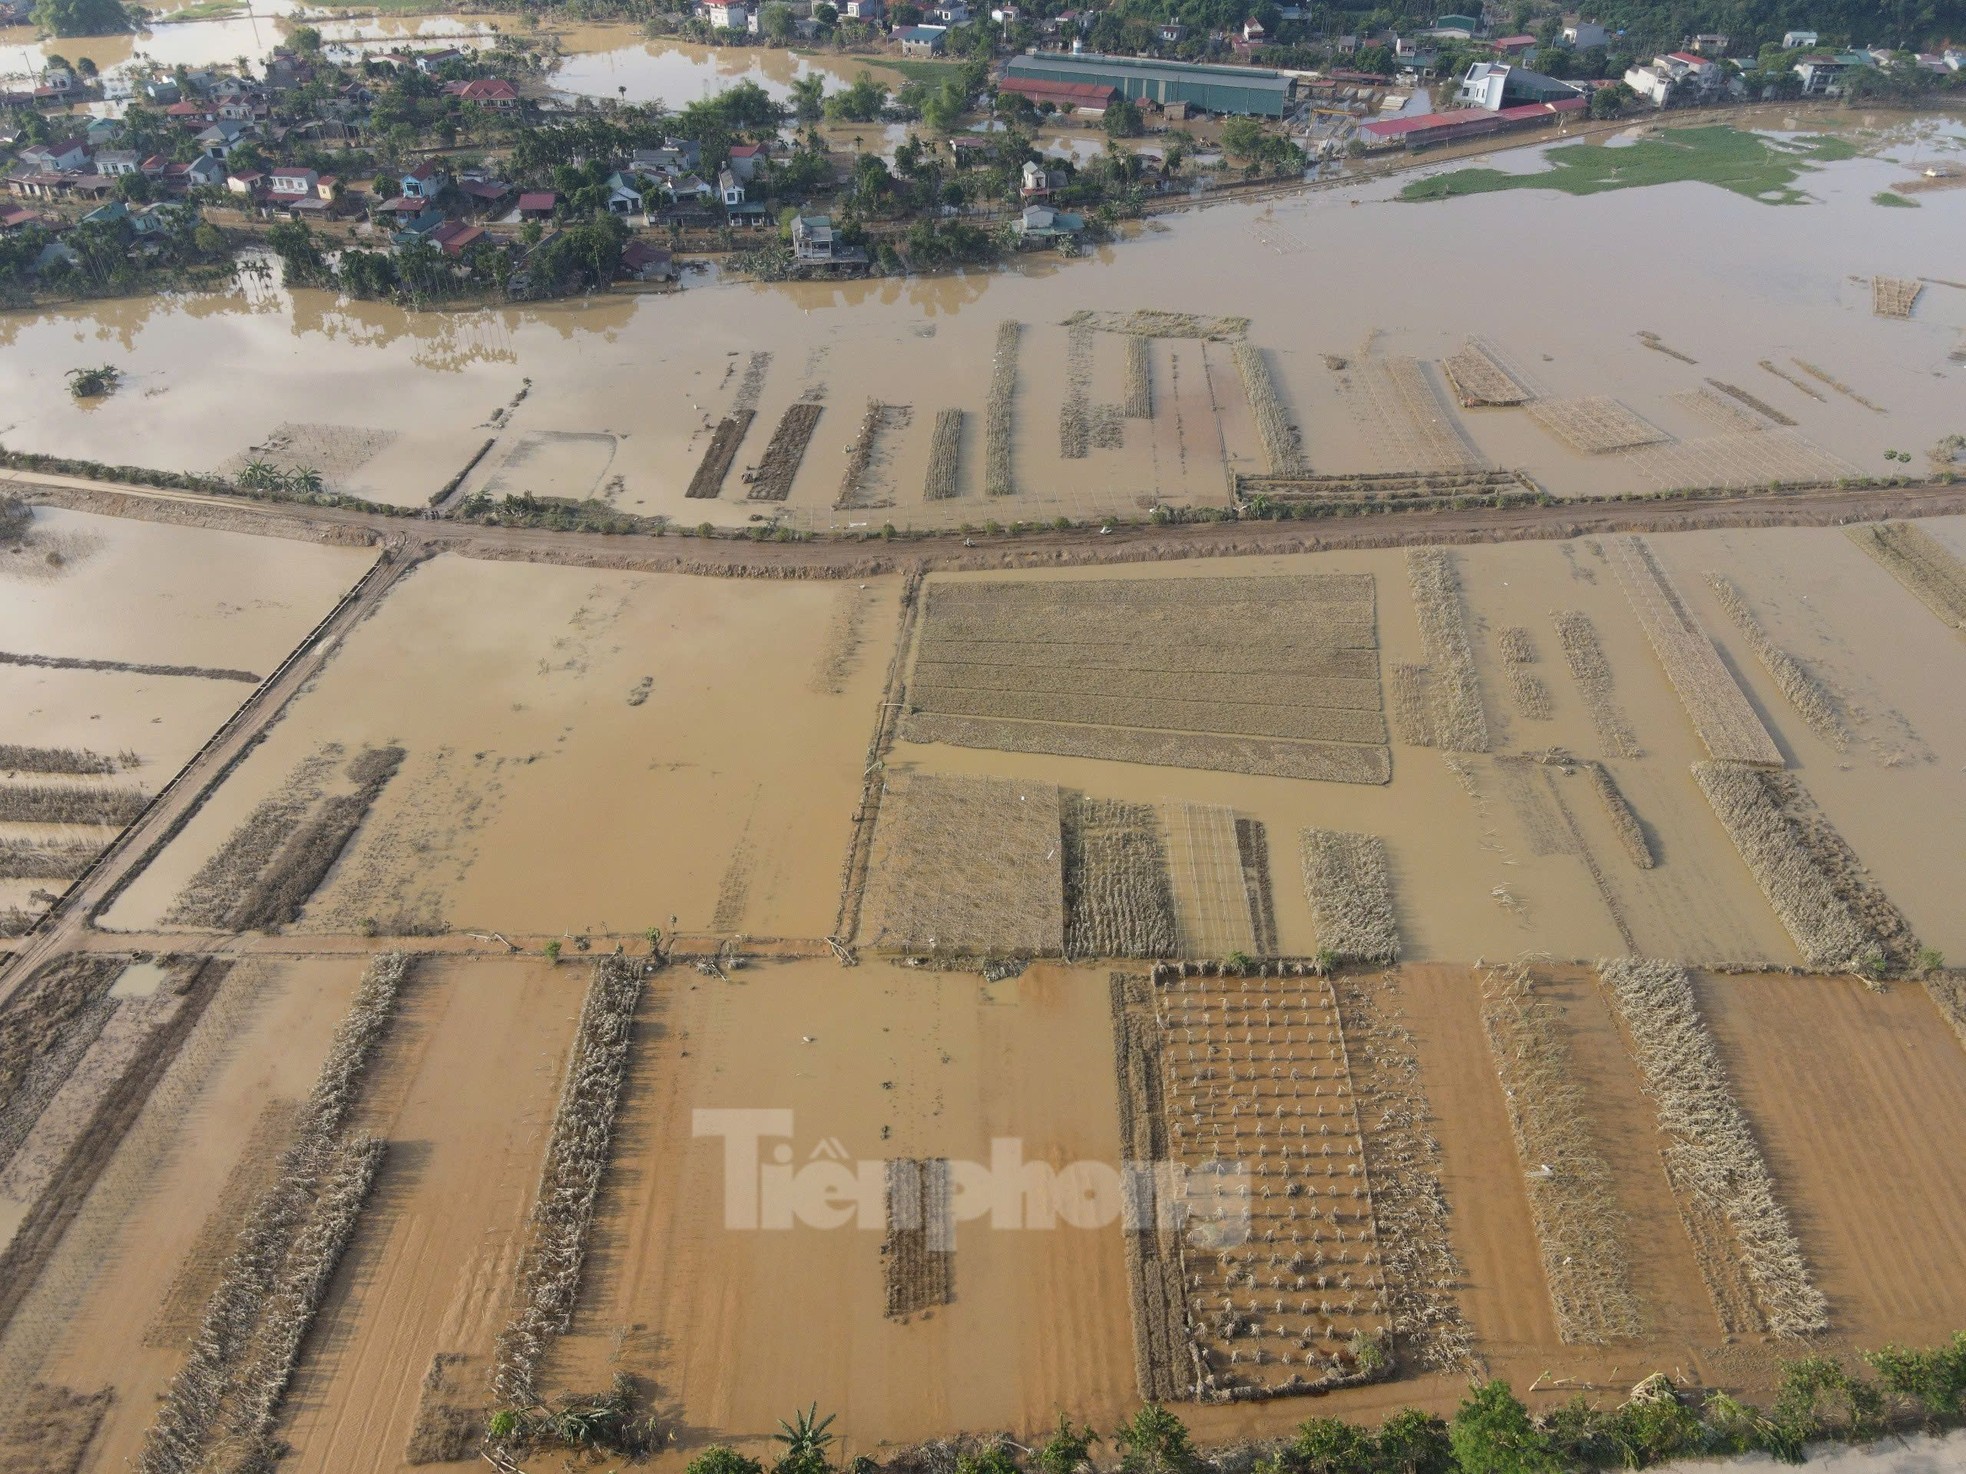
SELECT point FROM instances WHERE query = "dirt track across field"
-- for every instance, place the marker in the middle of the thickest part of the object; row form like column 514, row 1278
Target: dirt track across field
column 942, row 552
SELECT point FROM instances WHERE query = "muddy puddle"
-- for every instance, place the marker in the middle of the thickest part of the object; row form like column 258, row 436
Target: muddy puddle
column 1757, row 358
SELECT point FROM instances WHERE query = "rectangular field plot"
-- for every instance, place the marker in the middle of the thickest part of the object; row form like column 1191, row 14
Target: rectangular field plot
column 1738, row 459
column 1254, row 1072
column 1853, row 1095
column 1594, row 425
column 1271, row 675
column 966, row 865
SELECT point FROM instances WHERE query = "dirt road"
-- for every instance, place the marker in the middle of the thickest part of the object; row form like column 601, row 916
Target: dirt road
column 938, row 552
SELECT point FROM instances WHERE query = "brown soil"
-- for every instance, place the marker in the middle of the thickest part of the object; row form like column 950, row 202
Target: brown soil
column 1848, row 1090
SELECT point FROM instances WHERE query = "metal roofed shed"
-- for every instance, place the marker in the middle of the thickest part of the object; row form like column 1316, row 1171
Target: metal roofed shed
column 1246, row 90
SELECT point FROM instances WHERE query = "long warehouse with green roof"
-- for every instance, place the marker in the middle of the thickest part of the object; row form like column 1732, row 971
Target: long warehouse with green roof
column 1210, row 88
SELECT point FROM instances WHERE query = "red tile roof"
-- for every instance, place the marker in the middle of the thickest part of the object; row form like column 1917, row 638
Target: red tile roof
column 538, row 200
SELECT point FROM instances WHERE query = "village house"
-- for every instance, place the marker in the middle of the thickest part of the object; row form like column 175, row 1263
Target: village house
column 63, row 156
column 730, row 192
column 728, row 15
column 1797, row 40
column 1581, row 35
column 488, row 92
column 426, row 181
column 218, row 140
column 871, row 11
column 812, row 237
column 538, row 204
column 921, row 40
column 454, row 237
column 641, row 261
column 1042, row 225
column 745, row 159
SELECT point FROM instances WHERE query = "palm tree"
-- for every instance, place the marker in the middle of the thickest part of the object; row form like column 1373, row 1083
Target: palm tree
column 806, row 1442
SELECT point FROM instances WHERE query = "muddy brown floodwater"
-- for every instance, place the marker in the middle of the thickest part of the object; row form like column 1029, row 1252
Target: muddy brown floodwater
column 625, row 392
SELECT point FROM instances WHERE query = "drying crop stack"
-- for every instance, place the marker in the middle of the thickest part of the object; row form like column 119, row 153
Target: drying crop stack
column 1351, row 894
column 1712, row 1154
column 570, row 1180
column 1570, row 1196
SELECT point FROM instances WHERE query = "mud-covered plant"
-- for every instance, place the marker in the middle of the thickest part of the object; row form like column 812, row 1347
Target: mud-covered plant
column 1068, row 1450
column 718, row 1459
column 1156, row 1441
column 1929, row 1383
column 1492, row 1433
column 93, row 383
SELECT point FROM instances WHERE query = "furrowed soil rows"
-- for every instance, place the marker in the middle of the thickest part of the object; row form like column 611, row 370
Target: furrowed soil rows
column 1119, row 901
column 944, row 457
column 1403, row 1165
column 1760, row 459
column 966, row 866
column 1164, row 1366
column 1477, row 378
column 1532, row 697
column 55, row 859
column 577, row 1156
column 1282, row 445
column 1327, row 762
column 1398, row 406
column 918, row 1249
column 1922, row 564
column 1253, row 847
column 64, row 803
column 1351, row 895
column 1894, row 296
column 1149, row 671
column 860, row 486
column 286, row 884
column 235, row 869
column 1594, row 425
column 1257, row 1073
column 1820, row 890
column 1624, row 821
column 1808, row 695
column 227, row 1396
column 71, row 760
column 1139, row 401
column 1211, row 895
column 772, row 481
column 1712, row 1157
column 1720, row 712
column 999, row 425
column 1592, row 673
column 1570, row 1195
column 1459, row 722
column 708, row 480
column 1761, row 407
column 1148, row 322
column 1075, row 409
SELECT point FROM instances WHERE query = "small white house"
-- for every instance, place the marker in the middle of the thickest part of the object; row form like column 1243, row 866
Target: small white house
column 1792, row 40
column 1584, row 34
column 730, row 189
column 728, row 17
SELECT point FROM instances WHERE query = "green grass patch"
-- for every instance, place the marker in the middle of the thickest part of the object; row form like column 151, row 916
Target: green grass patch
column 1895, row 201
column 1761, row 168
column 201, row 10
column 912, row 69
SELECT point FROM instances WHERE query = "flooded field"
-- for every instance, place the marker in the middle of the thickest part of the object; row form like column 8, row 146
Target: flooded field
column 134, row 642
column 576, row 756
column 1524, row 958
column 1719, row 372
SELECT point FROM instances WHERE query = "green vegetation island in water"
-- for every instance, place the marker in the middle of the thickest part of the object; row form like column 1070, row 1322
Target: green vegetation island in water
column 1750, row 164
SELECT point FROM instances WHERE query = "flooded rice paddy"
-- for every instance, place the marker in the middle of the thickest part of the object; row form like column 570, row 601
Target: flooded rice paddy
column 1351, row 296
